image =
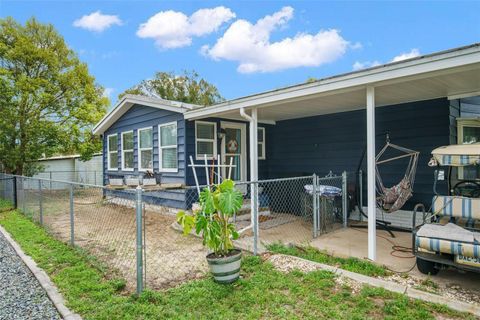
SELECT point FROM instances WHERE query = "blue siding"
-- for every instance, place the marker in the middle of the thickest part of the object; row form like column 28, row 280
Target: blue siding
column 309, row 145
column 336, row 142
column 138, row 117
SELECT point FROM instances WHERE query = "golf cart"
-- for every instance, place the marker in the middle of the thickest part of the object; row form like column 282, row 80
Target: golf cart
column 450, row 233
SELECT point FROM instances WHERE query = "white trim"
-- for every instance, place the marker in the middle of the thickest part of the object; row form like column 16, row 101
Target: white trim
column 264, row 156
column 391, row 73
column 128, row 150
column 461, row 124
column 464, row 95
column 140, row 149
column 214, row 140
column 108, row 152
column 264, row 121
column 129, row 100
column 160, row 147
column 243, row 147
column 371, row 190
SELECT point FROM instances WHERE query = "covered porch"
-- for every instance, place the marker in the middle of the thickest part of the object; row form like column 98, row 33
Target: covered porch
column 411, row 100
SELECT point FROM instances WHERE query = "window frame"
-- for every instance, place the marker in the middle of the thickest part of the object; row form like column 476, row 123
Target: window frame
column 264, row 156
column 140, row 149
column 160, row 147
column 214, row 140
column 461, row 124
column 128, row 150
column 108, row 152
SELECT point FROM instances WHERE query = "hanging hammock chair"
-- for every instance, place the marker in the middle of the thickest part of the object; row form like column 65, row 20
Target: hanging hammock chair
column 391, row 199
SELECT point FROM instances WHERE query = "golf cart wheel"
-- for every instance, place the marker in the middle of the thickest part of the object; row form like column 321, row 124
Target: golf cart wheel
column 426, row 267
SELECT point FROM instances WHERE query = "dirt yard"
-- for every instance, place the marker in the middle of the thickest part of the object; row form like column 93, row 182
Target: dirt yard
column 106, row 229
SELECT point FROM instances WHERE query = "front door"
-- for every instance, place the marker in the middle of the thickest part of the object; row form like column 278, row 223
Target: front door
column 234, row 149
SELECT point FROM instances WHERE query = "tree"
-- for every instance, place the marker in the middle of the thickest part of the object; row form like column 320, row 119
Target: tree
column 48, row 100
column 188, row 87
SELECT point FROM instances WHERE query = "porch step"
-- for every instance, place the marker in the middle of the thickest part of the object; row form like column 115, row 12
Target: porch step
column 244, row 212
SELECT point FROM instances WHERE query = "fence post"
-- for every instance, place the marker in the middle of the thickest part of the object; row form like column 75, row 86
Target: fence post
column 72, row 220
column 4, row 186
column 95, row 177
column 139, row 249
column 314, row 206
column 23, row 196
column 50, row 180
column 344, row 198
column 14, row 191
column 360, row 202
column 254, row 198
column 40, row 200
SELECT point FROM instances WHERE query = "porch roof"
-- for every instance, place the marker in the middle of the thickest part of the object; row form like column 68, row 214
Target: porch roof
column 453, row 73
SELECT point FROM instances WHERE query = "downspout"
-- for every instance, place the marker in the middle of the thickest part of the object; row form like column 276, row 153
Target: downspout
column 253, row 164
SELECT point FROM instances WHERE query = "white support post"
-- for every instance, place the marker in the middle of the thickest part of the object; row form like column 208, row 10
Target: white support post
column 371, row 192
column 253, row 142
column 230, row 168
column 219, row 180
column 207, row 175
column 192, row 164
column 254, row 176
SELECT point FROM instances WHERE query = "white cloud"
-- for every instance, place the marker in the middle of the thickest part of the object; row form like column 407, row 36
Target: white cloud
column 250, row 45
column 173, row 29
column 107, row 92
column 357, row 45
column 365, row 64
column 407, row 55
column 358, row 65
column 97, row 21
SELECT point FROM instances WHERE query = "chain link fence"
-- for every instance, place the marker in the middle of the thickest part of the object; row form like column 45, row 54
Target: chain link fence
column 289, row 210
column 7, row 189
column 85, row 177
column 143, row 244
column 85, row 216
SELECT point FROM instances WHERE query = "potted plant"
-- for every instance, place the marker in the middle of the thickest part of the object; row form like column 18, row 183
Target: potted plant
column 212, row 221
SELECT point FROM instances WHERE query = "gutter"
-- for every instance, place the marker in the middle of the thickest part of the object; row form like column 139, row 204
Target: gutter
column 253, row 138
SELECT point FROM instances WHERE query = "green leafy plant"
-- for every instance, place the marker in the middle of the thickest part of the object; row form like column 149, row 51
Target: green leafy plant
column 218, row 205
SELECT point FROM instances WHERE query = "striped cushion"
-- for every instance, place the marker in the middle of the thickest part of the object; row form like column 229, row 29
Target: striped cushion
column 460, row 207
column 457, row 160
column 462, row 222
column 451, row 247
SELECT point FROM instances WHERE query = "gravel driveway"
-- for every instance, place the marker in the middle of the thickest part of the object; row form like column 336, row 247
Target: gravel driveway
column 21, row 296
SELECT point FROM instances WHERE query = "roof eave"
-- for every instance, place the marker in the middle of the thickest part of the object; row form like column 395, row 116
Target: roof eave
column 352, row 80
column 130, row 100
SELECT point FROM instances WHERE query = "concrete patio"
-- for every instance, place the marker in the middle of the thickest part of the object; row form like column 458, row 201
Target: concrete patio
column 352, row 242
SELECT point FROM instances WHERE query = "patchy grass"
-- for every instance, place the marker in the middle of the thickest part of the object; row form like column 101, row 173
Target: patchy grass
column 262, row 291
column 5, row 205
column 428, row 285
column 313, row 254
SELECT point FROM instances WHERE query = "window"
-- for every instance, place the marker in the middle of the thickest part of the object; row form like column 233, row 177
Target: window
column 468, row 133
column 145, row 149
column 112, row 151
column 127, row 151
column 168, row 147
column 261, row 143
column 205, row 139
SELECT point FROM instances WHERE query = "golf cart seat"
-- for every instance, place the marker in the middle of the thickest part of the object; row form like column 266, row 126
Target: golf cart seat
column 453, row 232
column 450, row 236
column 448, row 239
column 462, row 222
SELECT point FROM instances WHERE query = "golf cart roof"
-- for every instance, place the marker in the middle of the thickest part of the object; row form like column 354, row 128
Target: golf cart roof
column 458, row 155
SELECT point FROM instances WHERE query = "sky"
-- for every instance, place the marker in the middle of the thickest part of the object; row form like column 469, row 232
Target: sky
column 246, row 47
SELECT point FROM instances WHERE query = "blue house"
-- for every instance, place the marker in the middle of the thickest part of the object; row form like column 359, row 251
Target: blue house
column 327, row 125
